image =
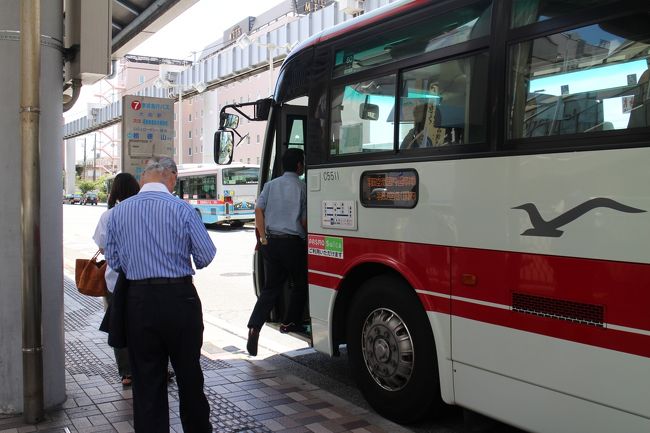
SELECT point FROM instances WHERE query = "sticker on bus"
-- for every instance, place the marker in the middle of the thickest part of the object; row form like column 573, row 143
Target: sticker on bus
column 326, row 246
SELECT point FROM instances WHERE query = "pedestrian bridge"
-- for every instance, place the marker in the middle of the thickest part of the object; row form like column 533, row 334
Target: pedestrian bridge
column 229, row 63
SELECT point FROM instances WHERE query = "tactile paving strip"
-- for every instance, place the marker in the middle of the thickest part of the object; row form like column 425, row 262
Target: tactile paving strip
column 79, row 359
column 225, row 416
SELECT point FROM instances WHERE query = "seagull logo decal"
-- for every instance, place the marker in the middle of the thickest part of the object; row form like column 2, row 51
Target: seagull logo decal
column 550, row 228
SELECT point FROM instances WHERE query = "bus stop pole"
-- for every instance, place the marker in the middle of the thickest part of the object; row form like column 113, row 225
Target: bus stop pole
column 30, row 48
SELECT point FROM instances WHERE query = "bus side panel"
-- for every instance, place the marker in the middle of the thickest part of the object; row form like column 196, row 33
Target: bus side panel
column 321, row 309
column 538, row 409
column 425, row 267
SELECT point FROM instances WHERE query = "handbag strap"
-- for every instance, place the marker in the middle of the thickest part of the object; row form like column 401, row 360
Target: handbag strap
column 96, row 255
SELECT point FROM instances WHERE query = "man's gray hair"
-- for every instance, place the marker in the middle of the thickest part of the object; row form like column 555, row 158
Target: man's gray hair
column 161, row 164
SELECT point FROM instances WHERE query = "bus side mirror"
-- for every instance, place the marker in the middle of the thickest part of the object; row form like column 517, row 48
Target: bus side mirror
column 369, row 111
column 223, row 146
column 229, row 120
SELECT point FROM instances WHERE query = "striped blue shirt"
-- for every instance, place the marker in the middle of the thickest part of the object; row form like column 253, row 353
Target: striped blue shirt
column 153, row 234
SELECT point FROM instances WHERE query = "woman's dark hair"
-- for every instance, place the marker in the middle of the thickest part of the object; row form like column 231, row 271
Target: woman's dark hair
column 124, row 186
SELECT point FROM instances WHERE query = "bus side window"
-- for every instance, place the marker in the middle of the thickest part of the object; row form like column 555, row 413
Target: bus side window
column 352, row 131
column 438, row 105
column 295, row 131
column 579, row 81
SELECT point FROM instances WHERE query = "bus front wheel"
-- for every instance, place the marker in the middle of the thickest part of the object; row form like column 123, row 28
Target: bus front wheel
column 392, row 351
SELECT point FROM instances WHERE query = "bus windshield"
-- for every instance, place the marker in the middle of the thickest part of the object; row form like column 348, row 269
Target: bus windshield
column 240, row 176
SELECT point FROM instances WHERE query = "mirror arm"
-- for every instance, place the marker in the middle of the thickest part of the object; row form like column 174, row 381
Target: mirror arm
column 236, row 108
column 259, row 106
column 241, row 138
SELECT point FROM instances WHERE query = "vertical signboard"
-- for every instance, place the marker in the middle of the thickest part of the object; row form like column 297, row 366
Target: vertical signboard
column 147, row 131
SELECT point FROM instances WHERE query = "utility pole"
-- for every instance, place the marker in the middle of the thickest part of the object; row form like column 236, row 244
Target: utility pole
column 95, row 158
column 83, row 170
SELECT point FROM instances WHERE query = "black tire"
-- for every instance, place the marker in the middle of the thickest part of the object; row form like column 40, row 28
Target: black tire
column 392, row 352
column 236, row 223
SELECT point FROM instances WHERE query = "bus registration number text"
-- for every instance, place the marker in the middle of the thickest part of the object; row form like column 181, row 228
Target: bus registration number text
column 330, row 176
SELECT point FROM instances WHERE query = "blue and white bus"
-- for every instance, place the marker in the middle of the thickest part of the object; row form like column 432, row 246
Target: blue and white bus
column 220, row 194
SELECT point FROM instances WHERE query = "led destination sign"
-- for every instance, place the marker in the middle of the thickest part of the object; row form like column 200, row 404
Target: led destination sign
column 389, row 188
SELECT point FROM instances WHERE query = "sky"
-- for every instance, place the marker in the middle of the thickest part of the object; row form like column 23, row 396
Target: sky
column 199, row 26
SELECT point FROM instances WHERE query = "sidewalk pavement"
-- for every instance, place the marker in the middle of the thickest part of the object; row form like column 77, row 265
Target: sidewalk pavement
column 245, row 394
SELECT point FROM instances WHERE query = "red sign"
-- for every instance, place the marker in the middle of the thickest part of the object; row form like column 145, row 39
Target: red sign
column 136, row 105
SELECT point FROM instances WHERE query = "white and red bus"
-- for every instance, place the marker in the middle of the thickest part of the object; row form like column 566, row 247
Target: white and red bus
column 220, row 194
column 478, row 206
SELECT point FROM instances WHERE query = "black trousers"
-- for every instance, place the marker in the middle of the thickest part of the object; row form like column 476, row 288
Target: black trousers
column 283, row 258
column 165, row 322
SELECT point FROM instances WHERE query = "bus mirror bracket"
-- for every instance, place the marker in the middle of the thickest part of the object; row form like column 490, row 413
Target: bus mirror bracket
column 261, row 110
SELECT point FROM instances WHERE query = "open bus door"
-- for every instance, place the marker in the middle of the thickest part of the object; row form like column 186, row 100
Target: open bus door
column 286, row 129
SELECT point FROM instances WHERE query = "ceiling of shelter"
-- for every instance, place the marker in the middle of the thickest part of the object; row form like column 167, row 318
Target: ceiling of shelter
column 133, row 21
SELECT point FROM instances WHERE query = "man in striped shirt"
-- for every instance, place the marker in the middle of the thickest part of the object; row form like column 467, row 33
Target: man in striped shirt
column 150, row 237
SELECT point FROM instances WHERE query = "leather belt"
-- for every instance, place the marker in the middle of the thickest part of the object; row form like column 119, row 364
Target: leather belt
column 160, row 281
column 281, row 236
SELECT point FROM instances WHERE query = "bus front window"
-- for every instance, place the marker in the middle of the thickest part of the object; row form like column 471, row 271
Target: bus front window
column 240, row 175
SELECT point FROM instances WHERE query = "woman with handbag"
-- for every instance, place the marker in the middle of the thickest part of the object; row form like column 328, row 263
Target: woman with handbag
column 124, row 186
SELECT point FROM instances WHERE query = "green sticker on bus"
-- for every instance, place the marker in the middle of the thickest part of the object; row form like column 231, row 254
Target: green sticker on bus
column 326, row 246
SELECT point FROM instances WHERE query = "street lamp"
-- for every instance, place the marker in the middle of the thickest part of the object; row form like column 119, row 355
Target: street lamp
column 244, row 41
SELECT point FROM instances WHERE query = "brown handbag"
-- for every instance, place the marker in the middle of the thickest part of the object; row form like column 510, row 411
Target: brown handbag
column 89, row 276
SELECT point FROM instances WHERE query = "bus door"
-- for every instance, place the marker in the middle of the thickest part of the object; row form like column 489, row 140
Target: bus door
column 289, row 131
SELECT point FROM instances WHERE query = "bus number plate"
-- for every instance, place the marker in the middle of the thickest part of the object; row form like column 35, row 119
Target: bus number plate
column 330, row 176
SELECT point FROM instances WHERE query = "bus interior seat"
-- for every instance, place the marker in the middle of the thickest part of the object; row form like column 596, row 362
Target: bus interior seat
column 451, row 84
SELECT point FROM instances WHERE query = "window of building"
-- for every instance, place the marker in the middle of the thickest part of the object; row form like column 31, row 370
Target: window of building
column 189, row 117
column 189, row 151
column 141, row 79
column 189, row 134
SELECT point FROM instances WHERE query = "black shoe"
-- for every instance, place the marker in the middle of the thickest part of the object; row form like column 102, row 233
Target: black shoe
column 253, row 337
column 291, row 327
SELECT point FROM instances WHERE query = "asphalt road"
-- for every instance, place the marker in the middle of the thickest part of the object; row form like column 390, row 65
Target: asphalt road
column 226, row 291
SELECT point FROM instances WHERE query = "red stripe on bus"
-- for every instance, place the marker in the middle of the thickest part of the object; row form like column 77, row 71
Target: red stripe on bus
column 579, row 293
column 380, row 17
column 620, row 341
column 323, row 280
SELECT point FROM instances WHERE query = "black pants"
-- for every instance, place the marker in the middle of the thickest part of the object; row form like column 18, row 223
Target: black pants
column 166, row 322
column 283, row 258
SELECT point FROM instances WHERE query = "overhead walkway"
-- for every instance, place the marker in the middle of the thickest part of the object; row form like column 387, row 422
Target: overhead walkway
column 227, row 64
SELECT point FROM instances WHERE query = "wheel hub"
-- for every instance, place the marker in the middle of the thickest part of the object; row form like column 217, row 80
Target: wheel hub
column 387, row 349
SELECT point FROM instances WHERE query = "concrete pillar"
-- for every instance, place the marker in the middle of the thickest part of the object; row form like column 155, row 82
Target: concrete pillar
column 51, row 233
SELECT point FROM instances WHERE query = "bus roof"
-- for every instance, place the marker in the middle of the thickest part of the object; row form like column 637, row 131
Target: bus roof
column 355, row 24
